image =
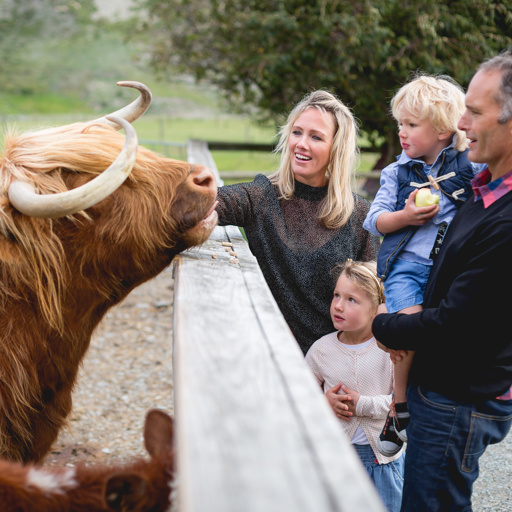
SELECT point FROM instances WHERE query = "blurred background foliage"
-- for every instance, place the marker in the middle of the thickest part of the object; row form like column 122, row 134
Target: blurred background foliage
column 60, row 61
column 230, row 70
column 265, row 54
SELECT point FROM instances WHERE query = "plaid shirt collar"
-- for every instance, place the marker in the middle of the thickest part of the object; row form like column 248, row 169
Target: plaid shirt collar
column 506, row 396
column 490, row 191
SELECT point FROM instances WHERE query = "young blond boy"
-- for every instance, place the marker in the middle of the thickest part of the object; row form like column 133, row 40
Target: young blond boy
column 434, row 156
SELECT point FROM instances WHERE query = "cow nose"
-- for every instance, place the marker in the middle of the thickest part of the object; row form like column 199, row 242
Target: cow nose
column 204, row 180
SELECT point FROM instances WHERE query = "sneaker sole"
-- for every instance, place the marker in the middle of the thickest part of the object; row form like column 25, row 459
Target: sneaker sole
column 385, row 452
column 402, row 435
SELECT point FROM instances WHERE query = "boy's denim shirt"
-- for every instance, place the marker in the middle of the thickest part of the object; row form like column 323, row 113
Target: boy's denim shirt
column 419, row 246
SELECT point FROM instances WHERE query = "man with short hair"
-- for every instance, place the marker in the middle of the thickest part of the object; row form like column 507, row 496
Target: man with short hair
column 459, row 392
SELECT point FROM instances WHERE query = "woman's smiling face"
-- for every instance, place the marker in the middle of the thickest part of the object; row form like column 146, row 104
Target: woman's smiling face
column 309, row 145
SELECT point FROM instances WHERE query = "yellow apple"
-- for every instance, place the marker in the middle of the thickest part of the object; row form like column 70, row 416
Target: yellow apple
column 425, row 198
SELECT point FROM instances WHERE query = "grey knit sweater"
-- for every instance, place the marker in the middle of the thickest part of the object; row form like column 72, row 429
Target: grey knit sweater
column 295, row 252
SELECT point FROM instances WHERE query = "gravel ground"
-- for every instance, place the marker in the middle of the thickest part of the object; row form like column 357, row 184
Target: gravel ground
column 128, row 370
column 493, row 489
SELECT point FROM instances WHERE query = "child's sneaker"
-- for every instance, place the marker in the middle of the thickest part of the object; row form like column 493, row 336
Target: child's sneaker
column 401, row 420
column 388, row 442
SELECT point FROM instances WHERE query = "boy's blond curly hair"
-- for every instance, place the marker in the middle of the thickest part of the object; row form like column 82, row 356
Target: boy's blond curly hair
column 437, row 98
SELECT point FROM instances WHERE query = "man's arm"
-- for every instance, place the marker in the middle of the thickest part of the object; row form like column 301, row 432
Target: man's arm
column 474, row 298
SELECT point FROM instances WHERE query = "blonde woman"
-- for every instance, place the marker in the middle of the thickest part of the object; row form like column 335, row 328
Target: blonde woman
column 304, row 219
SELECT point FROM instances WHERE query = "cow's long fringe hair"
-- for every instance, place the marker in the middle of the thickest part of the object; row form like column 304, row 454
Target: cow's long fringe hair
column 31, row 253
column 32, row 256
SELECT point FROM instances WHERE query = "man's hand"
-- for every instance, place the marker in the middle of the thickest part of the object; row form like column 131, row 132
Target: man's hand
column 395, row 355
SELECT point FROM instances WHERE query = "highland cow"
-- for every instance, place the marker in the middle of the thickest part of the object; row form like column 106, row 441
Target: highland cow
column 75, row 239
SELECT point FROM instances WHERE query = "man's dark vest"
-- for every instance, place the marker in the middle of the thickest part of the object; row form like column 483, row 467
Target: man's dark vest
column 456, row 186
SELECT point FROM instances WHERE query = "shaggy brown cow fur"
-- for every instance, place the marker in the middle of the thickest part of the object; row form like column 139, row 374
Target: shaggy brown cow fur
column 140, row 486
column 58, row 277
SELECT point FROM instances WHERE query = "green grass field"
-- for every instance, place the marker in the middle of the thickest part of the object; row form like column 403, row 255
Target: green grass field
column 169, row 127
column 151, row 128
column 79, row 85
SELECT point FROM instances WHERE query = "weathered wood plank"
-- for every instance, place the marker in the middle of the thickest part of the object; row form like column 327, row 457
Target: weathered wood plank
column 198, row 153
column 254, row 432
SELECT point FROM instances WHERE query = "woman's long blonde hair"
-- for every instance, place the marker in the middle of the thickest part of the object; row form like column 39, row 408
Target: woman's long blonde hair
column 339, row 202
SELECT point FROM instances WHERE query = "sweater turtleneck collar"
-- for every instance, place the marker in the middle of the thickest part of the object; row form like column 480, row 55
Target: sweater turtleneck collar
column 304, row 191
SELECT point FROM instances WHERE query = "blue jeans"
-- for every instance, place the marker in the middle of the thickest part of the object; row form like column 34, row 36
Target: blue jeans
column 405, row 285
column 388, row 478
column 445, row 441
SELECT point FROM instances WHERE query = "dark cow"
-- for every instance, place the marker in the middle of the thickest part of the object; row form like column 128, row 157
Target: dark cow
column 138, row 486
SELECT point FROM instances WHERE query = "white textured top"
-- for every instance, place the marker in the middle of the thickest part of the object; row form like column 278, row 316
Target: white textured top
column 369, row 371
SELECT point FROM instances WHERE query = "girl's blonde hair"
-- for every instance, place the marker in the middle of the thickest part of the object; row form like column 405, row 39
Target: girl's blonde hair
column 339, row 202
column 437, row 98
column 364, row 275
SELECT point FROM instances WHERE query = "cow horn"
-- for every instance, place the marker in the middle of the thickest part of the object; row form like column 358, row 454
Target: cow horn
column 132, row 111
column 26, row 200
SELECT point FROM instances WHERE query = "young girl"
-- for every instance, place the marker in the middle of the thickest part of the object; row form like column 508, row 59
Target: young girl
column 357, row 376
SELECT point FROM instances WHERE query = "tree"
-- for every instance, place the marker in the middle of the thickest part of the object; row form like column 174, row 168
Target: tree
column 268, row 53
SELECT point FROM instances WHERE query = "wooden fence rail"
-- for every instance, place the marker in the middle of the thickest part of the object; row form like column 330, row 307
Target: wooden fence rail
column 361, row 177
column 254, row 432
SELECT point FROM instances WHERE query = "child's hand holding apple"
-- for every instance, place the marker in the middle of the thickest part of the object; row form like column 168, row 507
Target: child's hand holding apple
column 421, row 206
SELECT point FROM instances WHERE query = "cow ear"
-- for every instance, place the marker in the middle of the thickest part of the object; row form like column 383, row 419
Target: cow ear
column 125, row 491
column 158, row 433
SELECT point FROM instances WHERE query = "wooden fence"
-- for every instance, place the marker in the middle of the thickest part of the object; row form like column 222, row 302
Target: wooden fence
column 254, row 431
column 361, row 178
